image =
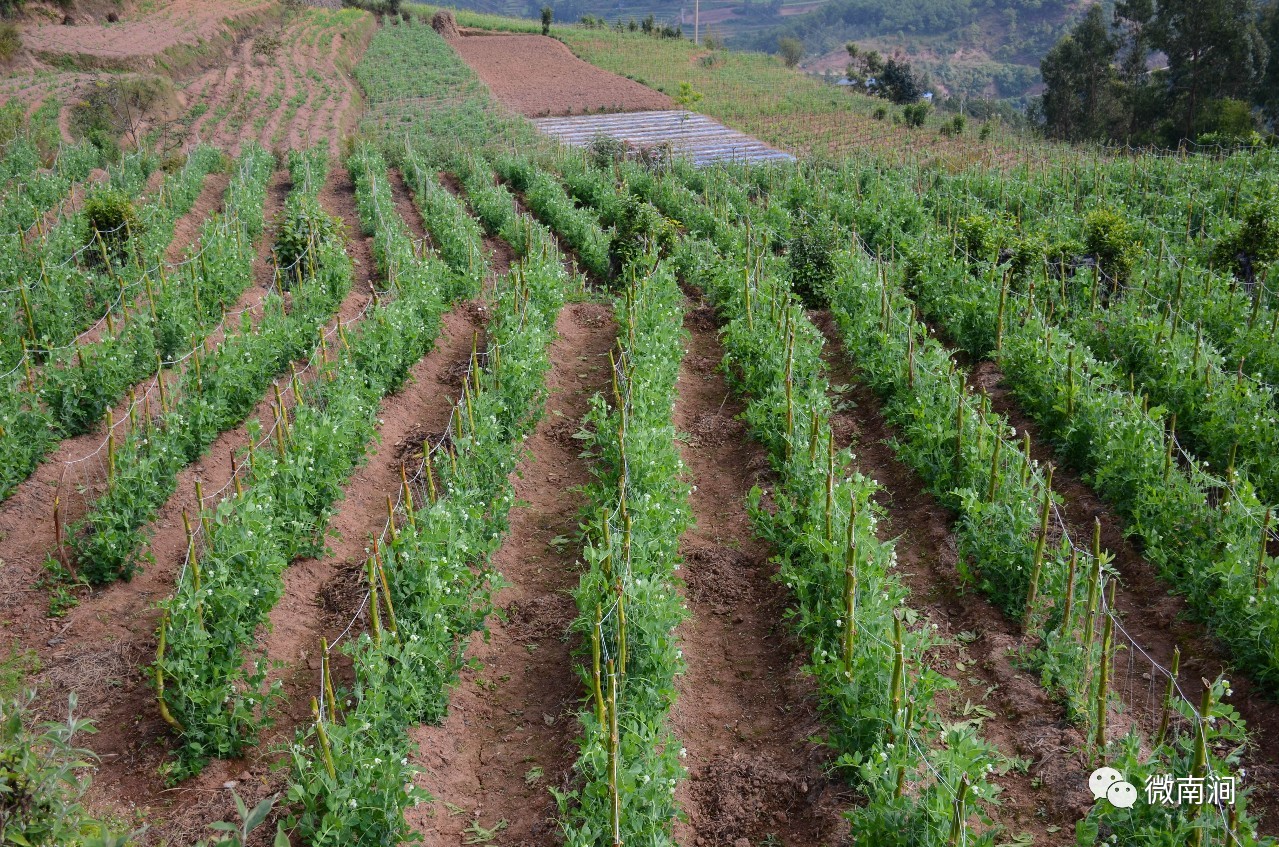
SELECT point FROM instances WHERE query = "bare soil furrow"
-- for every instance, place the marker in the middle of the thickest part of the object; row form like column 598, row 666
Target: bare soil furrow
column 407, row 209
column 746, row 713
column 1015, row 713
column 508, row 737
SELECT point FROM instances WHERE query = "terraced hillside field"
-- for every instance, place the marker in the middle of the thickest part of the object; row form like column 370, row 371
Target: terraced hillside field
column 375, row 469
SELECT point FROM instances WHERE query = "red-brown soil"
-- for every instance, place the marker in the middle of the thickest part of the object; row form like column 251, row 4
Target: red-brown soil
column 516, row 712
column 1154, row 620
column 745, row 712
column 144, row 37
column 253, row 96
column 538, row 76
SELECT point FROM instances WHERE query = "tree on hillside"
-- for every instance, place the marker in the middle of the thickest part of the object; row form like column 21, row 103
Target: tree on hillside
column 1082, row 92
column 864, row 65
column 898, row 82
column 791, row 50
column 1268, row 88
column 1214, row 51
column 548, row 15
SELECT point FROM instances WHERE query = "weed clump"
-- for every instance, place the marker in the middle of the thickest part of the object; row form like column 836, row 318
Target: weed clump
column 112, row 222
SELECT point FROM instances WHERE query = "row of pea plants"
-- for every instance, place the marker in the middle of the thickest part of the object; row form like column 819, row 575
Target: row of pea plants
column 217, row 390
column 922, row 388
column 456, row 236
column 963, row 452
column 1204, row 535
column 71, row 393
column 921, row 778
column 429, row 580
column 210, row 683
column 80, row 271
column 637, row 509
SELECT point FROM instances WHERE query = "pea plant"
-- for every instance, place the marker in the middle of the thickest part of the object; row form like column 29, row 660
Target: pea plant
column 429, row 580
column 637, row 509
column 215, row 393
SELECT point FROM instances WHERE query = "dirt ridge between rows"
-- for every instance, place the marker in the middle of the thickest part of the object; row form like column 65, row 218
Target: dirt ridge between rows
column 746, row 712
column 509, row 733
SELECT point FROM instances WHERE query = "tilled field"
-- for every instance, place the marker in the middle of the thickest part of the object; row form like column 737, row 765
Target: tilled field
column 537, row 76
column 284, row 88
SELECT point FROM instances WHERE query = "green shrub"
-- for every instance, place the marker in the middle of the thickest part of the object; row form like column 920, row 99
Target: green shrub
column 42, row 786
column 605, row 150
column 305, row 226
column 810, row 257
column 548, row 15
column 915, row 114
column 1109, row 238
column 880, row 113
column 791, row 50
column 10, row 41
column 112, row 221
column 1254, row 242
column 980, row 236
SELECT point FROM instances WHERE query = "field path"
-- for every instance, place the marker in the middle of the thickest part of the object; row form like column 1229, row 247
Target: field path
column 745, row 711
column 509, row 733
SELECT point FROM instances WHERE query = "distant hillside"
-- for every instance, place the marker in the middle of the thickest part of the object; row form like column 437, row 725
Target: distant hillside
column 725, row 19
column 988, row 48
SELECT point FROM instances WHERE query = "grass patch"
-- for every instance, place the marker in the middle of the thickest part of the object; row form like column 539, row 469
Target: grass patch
column 15, row 669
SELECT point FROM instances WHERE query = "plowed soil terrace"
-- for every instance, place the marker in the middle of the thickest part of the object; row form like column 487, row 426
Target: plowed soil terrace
column 538, row 76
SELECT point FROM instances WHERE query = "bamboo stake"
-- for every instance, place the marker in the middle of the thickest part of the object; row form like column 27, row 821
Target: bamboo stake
column 1038, row 561
column 326, row 675
column 159, row 677
column 615, row 797
column 595, row 667
column 1103, row 686
column 325, row 749
column 1166, row 713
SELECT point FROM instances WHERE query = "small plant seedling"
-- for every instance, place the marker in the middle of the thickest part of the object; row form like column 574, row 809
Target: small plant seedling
column 533, row 774
column 476, row 834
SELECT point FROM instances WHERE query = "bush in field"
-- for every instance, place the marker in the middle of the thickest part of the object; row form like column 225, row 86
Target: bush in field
column 810, row 256
column 548, row 15
column 981, row 237
column 112, row 221
column 915, row 114
column 636, row 228
column 791, row 50
column 1109, row 238
column 10, row 41
column 40, row 784
column 606, row 151
column 1252, row 244
column 304, row 226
